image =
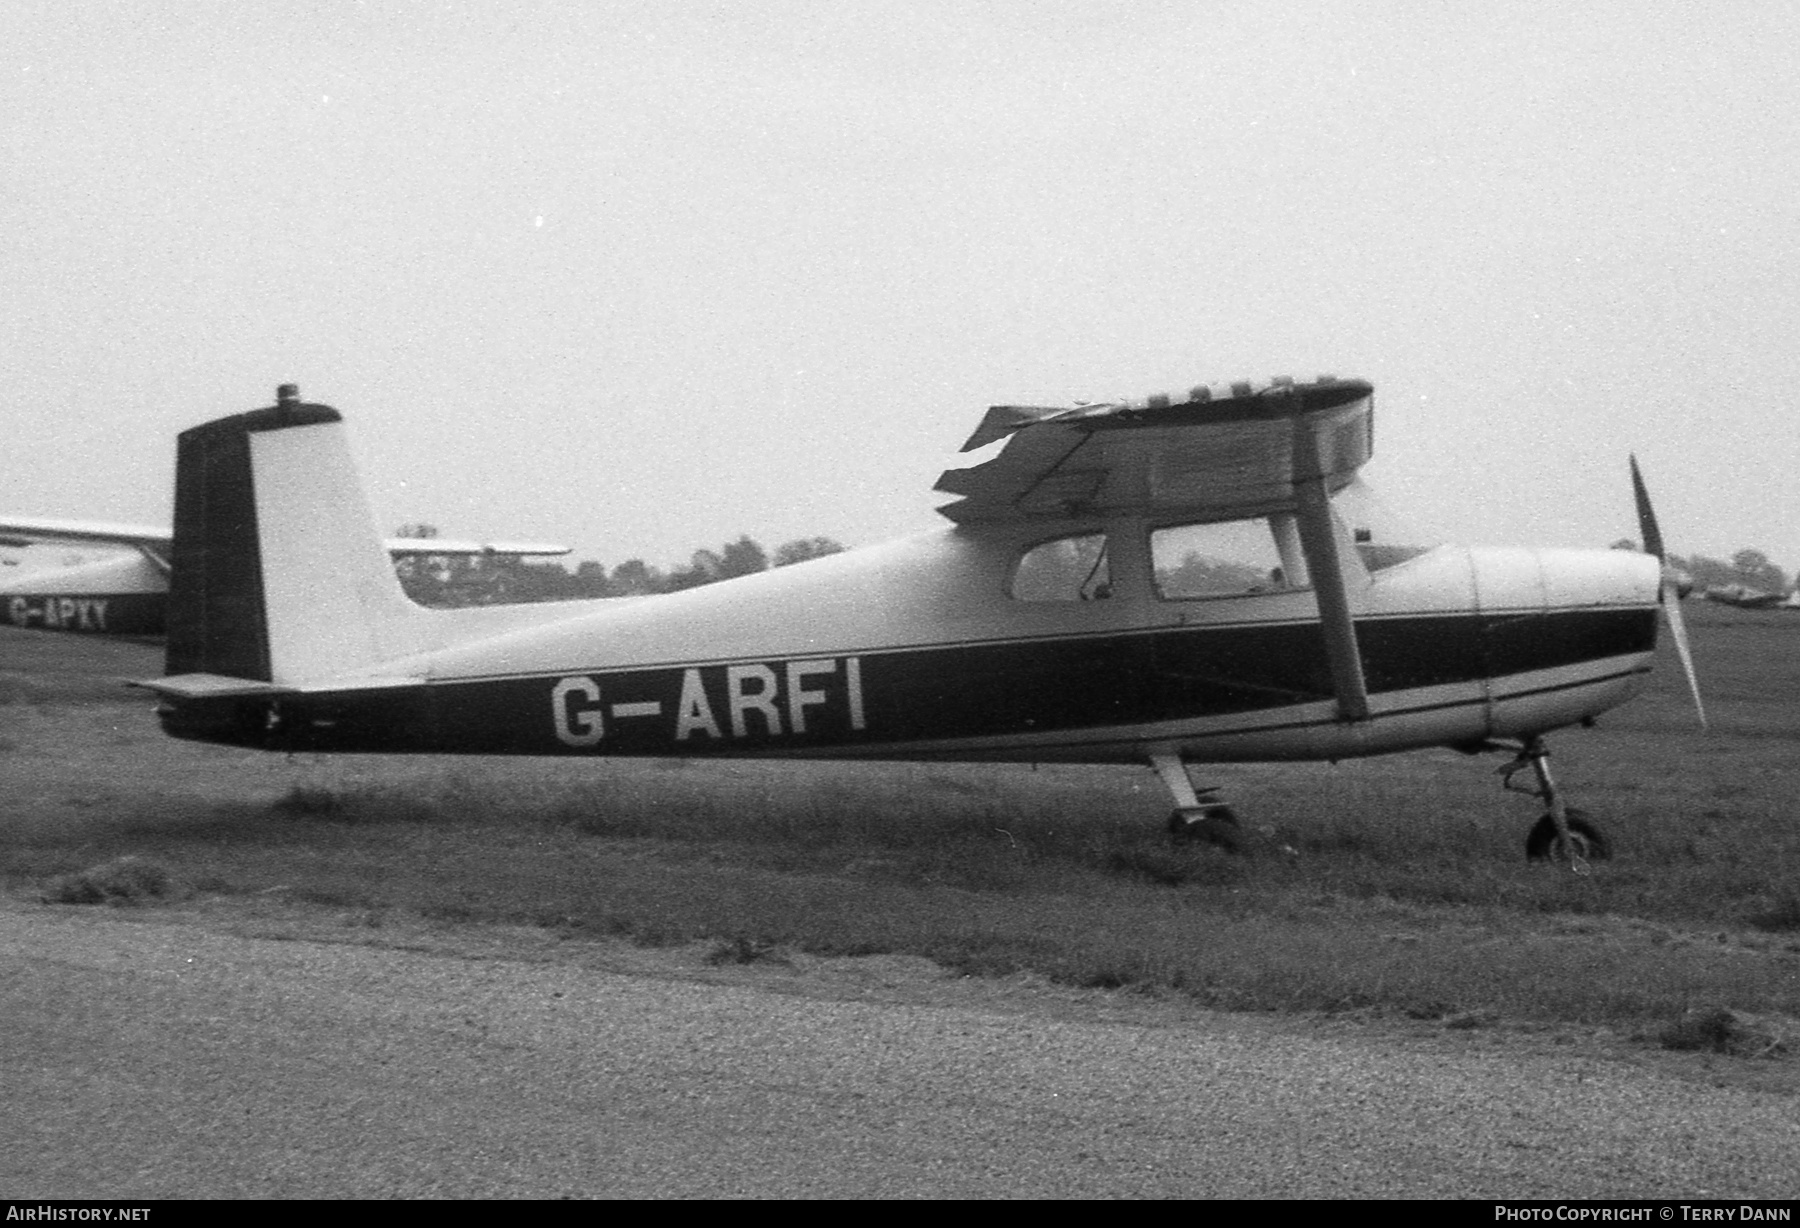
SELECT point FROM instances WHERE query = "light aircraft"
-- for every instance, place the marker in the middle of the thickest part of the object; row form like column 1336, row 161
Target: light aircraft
column 1744, row 597
column 125, row 591
column 1176, row 580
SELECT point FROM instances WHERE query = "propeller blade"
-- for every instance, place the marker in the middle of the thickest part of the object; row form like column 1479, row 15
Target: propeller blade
column 1653, row 542
column 1671, row 586
column 1671, row 604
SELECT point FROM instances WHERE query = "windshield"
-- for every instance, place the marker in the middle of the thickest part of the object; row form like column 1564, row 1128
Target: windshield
column 1382, row 538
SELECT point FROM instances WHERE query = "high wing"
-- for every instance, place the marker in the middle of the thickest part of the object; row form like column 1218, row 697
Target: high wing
column 1279, row 449
column 32, row 530
column 1222, row 453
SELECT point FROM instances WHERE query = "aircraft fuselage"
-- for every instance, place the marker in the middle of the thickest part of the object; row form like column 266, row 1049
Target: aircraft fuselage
column 917, row 650
column 124, row 595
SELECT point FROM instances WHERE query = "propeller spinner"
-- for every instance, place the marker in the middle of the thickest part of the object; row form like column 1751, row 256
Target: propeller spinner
column 1671, row 594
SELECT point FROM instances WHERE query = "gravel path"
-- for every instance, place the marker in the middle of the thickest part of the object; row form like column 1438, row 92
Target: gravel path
column 151, row 1056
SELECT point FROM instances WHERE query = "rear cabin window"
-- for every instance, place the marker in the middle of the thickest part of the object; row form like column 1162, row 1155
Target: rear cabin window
column 1067, row 569
column 1230, row 558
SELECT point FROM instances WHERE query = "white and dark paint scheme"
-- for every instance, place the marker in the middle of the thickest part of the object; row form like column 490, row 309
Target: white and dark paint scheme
column 1171, row 581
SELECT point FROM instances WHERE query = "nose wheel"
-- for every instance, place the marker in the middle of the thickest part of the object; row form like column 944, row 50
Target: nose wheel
column 1585, row 837
column 1564, row 833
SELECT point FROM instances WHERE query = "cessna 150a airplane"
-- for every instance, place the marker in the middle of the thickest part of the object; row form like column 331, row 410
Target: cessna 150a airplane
column 1170, row 581
column 125, row 592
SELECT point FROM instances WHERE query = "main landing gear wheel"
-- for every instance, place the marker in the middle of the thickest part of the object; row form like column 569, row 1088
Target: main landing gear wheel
column 1207, row 823
column 1199, row 815
column 1589, row 840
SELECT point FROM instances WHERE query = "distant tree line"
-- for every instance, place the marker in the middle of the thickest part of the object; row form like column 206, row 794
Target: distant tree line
column 1751, row 568
column 457, row 580
column 1748, row 567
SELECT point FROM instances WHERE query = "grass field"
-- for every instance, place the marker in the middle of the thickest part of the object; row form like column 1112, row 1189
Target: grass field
column 1394, row 885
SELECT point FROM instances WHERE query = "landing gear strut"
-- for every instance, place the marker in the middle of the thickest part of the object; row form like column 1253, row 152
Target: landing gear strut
column 1198, row 816
column 1563, row 833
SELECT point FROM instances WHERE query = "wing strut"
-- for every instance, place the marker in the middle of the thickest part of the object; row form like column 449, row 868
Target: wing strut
column 1318, row 538
column 158, row 559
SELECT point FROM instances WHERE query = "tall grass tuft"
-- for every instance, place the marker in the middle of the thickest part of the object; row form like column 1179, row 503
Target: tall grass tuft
column 123, row 880
column 1779, row 917
column 1719, row 1030
column 304, row 802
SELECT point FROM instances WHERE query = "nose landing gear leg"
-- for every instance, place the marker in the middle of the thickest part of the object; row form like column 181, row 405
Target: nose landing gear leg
column 1563, row 833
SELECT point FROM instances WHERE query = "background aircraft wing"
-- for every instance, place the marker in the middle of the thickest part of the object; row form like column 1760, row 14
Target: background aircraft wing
column 408, row 546
column 1224, row 452
column 31, row 530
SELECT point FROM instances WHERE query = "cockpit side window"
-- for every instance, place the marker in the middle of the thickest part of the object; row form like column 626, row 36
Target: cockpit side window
column 1230, row 558
column 1066, row 569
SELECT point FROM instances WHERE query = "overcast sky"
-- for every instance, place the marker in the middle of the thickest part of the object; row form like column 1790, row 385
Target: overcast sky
column 644, row 277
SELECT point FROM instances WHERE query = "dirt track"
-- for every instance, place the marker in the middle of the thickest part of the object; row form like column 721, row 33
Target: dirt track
column 157, row 1055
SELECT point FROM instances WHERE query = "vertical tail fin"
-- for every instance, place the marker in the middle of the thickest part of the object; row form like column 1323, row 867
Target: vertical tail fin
column 278, row 572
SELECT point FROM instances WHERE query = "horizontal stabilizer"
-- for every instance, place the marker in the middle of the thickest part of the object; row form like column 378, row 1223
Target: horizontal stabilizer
column 210, row 686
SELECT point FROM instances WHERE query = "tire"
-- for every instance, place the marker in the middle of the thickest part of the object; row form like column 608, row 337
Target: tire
column 1213, row 823
column 1589, row 839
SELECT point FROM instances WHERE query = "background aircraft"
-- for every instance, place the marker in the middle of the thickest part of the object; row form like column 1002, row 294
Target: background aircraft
column 125, row 590
column 1175, row 580
column 1743, row 596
